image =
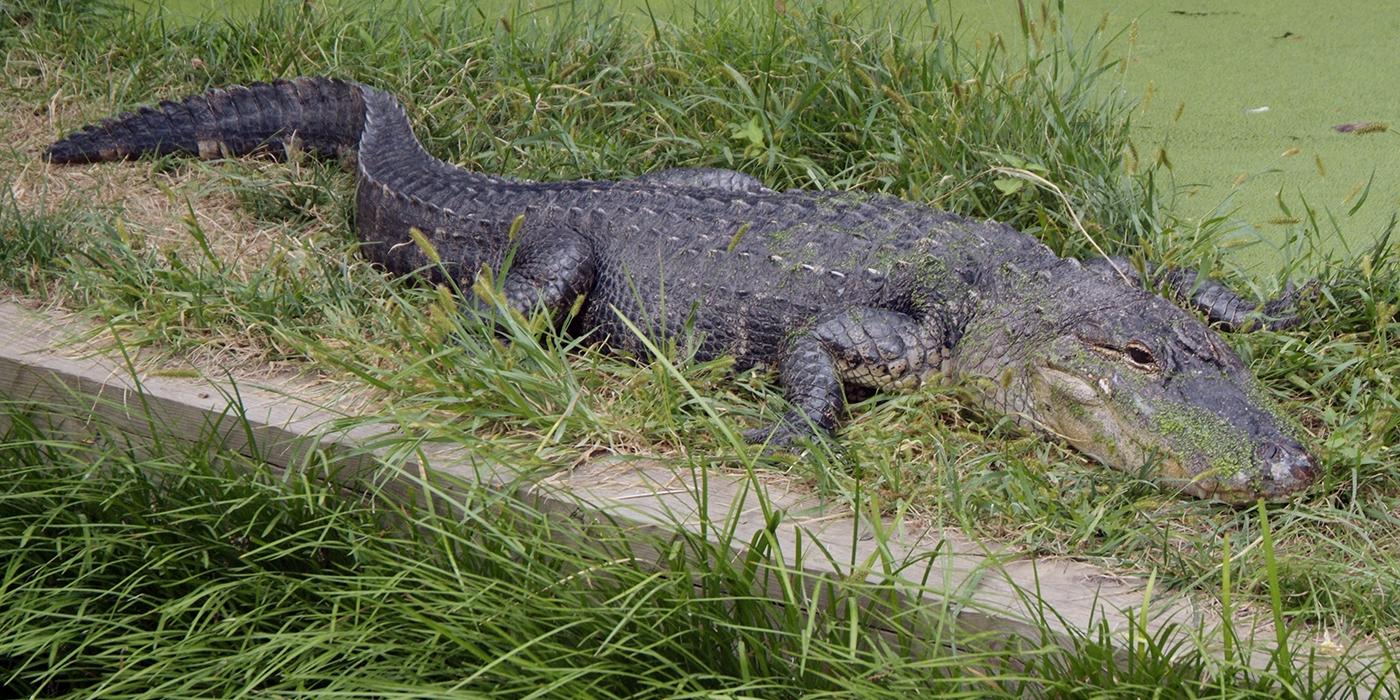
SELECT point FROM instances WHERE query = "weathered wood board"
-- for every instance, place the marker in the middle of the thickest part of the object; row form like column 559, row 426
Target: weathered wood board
column 985, row 588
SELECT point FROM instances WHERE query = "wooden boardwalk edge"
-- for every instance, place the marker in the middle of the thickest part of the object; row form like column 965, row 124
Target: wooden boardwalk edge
column 990, row 590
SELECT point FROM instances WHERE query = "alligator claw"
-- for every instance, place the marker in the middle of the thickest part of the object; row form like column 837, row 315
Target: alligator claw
column 782, row 436
column 1281, row 313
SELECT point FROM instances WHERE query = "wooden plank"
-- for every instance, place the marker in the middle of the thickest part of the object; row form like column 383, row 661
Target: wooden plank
column 989, row 589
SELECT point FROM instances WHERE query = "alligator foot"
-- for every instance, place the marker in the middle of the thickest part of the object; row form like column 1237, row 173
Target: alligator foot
column 1281, row 312
column 783, row 436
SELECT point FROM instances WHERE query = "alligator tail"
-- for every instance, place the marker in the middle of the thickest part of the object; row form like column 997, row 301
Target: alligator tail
column 324, row 116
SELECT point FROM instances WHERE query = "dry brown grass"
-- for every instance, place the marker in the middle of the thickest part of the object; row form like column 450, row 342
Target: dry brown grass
column 157, row 206
column 154, row 205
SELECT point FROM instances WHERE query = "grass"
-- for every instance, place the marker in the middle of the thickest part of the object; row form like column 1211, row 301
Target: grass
column 203, row 575
column 193, row 571
column 266, row 279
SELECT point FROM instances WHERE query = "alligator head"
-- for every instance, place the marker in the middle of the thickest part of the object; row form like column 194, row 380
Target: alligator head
column 1136, row 382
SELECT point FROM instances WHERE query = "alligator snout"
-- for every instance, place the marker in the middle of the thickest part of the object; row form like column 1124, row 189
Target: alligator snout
column 1286, row 467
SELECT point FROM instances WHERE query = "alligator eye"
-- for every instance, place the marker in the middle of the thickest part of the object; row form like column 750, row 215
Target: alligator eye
column 1139, row 355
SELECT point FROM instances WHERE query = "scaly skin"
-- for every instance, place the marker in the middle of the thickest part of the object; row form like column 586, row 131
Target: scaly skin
column 831, row 289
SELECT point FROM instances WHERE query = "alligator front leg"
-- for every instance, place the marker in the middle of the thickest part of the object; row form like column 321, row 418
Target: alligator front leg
column 548, row 272
column 1221, row 305
column 861, row 346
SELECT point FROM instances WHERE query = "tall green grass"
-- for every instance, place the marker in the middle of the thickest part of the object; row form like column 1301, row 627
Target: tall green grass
column 192, row 571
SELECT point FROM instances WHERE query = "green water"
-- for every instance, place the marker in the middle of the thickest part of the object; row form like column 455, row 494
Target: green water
column 1244, row 97
column 1241, row 97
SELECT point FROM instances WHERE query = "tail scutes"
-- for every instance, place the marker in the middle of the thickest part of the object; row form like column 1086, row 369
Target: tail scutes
column 321, row 115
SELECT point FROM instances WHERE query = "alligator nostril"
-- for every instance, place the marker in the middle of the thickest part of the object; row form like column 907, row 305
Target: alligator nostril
column 1286, row 461
column 1303, row 466
column 1304, row 469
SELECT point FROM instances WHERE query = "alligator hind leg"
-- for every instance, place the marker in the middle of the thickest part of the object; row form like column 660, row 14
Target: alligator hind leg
column 1221, row 306
column 1232, row 312
column 862, row 346
column 550, row 272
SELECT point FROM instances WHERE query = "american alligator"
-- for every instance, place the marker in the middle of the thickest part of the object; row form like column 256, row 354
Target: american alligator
column 832, row 290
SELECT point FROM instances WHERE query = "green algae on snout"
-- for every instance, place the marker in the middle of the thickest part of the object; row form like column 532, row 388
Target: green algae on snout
column 1287, row 423
column 1221, row 448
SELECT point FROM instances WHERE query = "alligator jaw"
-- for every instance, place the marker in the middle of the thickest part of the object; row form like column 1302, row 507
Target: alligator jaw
column 1195, row 452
